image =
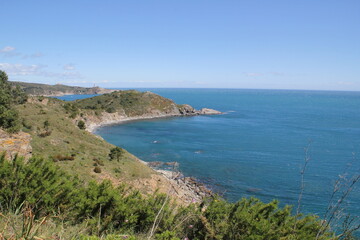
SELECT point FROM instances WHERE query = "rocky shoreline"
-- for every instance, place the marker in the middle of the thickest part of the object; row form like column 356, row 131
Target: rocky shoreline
column 93, row 123
column 186, row 189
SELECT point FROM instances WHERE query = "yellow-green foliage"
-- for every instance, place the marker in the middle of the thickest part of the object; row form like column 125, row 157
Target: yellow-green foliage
column 38, row 189
column 67, row 140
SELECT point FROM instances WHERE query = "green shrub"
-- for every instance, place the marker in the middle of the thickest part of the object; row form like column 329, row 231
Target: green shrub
column 167, row 235
column 10, row 96
column 26, row 124
column 38, row 183
column 110, row 110
column 105, row 209
column 46, row 124
column 9, row 119
column 98, row 162
column 59, row 157
column 253, row 219
column 71, row 109
column 45, row 133
column 81, row 125
column 116, row 153
column 97, row 169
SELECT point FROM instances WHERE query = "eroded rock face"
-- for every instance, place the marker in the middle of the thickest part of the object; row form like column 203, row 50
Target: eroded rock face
column 13, row 144
column 187, row 110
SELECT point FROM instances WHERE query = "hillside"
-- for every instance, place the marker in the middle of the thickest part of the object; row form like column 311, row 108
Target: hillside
column 37, row 89
column 58, row 206
column 78, row 186
column 128, row 105
column 56, row 134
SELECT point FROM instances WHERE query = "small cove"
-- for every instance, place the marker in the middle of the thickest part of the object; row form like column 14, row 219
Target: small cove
column 257, row 147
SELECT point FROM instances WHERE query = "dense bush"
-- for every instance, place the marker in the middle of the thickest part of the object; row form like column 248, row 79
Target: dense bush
column 110, row 110
column 97, row 169
column 98, row 162
column 116, row 153
column 38, row 182
column 71, row 109
column 45, row 133
column 81, row 125
column 59, row 157
column 107, row 210
column 9, row 96
column 252, row 219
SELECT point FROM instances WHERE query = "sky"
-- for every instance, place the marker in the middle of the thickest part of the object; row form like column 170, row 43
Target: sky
column 260, row 44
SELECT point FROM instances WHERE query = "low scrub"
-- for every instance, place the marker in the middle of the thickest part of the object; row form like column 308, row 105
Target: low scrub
column 116, row 153
column 104, row 209
column 59, row 157
column 45, row 133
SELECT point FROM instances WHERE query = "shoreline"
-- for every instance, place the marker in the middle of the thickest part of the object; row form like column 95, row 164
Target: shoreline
column 186, row 189
column 94, row 126
column 116, row 118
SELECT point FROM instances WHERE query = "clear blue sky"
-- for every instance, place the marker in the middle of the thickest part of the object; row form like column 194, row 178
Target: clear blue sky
column 275, row 44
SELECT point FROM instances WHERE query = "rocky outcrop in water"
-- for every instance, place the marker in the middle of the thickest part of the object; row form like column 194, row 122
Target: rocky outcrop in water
column 208, row 111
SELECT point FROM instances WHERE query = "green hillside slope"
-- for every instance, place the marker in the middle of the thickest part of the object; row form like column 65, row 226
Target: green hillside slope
column 38, row 89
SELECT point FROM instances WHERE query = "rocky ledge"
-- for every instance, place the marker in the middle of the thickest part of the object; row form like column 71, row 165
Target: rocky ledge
column 95, row 121
column 188, row 110
column 189, row 189
column 13, row 144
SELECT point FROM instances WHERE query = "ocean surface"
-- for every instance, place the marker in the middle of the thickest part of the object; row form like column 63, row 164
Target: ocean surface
column 258, row 146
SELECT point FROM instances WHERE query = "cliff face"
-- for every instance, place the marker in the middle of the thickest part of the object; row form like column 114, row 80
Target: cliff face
column 13, row 144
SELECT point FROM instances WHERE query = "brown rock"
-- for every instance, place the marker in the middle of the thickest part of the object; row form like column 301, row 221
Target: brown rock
column 13, row 144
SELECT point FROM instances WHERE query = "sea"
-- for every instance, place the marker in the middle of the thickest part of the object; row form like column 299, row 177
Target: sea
column 269, row 144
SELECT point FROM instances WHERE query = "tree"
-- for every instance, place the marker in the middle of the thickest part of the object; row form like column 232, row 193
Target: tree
column 9, row 119
column 116, row 153
column 81, row 125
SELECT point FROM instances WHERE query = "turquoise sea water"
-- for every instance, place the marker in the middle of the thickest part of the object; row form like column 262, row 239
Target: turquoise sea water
column 256, row 148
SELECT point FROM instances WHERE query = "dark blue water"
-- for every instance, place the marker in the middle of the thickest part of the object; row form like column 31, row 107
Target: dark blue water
column 257, row 147
column 74, row 97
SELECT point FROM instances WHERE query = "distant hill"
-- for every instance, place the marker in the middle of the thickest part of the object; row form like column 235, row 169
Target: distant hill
column 37, row 89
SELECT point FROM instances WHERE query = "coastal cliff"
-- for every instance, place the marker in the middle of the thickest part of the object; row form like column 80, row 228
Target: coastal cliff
column 122, row 106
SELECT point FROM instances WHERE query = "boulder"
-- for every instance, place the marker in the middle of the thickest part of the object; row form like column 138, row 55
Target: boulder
column 13, row 144
column 208, row 111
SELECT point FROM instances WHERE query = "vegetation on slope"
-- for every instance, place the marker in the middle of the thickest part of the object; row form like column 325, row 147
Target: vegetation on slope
column 53, row 195
column 55, row 135
column 40, row 191
column 131, row 102
column 38, row 89
column 9, row 96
